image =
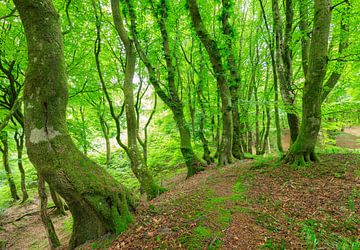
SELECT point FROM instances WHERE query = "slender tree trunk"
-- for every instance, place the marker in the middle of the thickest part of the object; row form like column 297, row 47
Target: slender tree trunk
column 283, row 57
column 83, row 131
column 98, row 203
column 207, row 153
column 225, row 156
column 138, row 165
column 303, row 150
column 257, row 125
column 45, row 218
column 105, row 129
column 19, row 139
column 172, row 100
column 275, row 81
column 267, row 112
column 5, row 157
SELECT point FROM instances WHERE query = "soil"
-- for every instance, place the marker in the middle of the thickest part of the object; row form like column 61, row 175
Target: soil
column 277, row 207
column 21, row 227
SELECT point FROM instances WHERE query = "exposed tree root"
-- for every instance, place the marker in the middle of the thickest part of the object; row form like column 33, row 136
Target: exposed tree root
column 300, row 159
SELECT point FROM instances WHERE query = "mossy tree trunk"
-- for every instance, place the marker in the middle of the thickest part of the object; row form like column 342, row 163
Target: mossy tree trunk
column 97, row 202
column 233, row 68
column 283, row 62
column 4, row 148
column 303, row 149
column 172, row 99
column 45, row 218
column 60, row 209
column 225, row 154
column 138, row 165
column 19, row 140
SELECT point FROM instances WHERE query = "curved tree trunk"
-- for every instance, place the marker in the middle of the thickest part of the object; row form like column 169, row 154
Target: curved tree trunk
column 45, row 218
column 172, row 99
column 283, row 57
column 138, row 165
column 98, row 203
column 303, row 150
column 225, row 154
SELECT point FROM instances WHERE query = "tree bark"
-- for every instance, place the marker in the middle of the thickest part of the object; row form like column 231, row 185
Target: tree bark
column 5, row 157
column 138, row 165
column 45, row 218
column 283, row 57
column 105, row 129
column 225, row 154
column 60, row 209
column 98, row 203
column 303, row 150
column 172, row 100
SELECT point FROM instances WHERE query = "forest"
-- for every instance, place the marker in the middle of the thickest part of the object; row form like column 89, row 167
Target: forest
column 180, row 124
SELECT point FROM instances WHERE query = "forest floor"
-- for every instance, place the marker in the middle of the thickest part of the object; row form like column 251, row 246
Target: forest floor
column 247, row 205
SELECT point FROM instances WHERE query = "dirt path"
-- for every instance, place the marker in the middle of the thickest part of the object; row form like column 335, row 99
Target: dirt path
column 21, row 227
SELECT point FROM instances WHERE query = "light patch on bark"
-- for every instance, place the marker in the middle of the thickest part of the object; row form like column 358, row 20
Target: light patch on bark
column 29, row 106
column 41, row 135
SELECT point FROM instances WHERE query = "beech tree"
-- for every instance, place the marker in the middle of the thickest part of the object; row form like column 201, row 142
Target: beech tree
column 303, row 149
column 98, row 203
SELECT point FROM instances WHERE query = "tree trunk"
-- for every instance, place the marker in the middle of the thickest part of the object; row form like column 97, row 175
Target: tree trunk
column 172, row 100
column 275, row 80
column 19, row 139
column 303, row 150
column 105, row 130
column 138, row 165
column 235, row 79
column 225, row 154
column 207, row 153
column 283, row 57
column 98, row 203
column 5, row 156
column 45, row 218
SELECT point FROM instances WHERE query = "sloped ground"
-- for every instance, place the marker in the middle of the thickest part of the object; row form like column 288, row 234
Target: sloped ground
column 248, row 205
column 21, row 227
column 252, row 205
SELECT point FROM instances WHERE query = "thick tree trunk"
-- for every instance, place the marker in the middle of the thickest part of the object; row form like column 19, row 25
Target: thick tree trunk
column 98, row 203
column 225, row 154
column 303, row 150
column 5, row 157
column 45, row 218
column 19, row 139
column 138, row 165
